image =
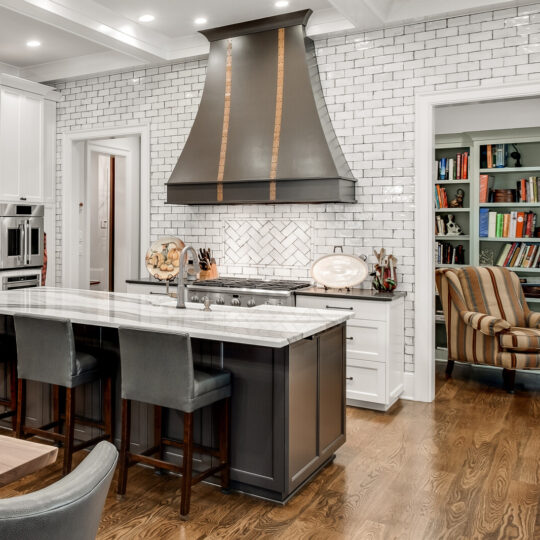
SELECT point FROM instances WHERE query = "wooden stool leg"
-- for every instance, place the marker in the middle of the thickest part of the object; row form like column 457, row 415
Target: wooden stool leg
column 187, row 464
column 124, row 446
column 108, row 416
column 158, row 426
column 56, row 408
column 21, row 407
column 224, row 438
column 70, row 430
column 13, row 384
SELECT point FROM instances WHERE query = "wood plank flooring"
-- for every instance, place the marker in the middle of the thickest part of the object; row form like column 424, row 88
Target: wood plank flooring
column 466, row 466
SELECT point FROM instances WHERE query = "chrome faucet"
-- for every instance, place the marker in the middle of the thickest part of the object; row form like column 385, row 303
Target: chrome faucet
column 180, row 302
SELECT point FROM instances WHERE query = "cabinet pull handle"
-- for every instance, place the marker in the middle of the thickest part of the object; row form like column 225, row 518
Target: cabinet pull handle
column 22, row 198
column 349, row 378
column 339, row 307
column 350, row 338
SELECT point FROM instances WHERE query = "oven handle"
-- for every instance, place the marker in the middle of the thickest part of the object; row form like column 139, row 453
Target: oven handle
column 27, row 239
column 22, row 243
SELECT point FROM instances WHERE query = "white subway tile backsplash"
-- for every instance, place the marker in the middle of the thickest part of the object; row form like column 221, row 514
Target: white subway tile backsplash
column 369, row 81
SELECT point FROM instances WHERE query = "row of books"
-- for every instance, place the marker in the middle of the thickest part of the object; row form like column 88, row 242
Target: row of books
column 519, row 255
column 493, row 156
column 453, row 169
column 441, row 198
column 446, row 253
column 512, row 225
column 527, row 190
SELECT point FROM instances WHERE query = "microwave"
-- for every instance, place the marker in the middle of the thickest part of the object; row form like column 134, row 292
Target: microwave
column 21, row 236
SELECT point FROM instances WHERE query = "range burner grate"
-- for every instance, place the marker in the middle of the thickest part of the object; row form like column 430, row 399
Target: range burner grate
column 246, row 283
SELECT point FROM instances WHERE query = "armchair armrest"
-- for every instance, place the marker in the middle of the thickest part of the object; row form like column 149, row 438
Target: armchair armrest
column 533, row 319
column 487, row 324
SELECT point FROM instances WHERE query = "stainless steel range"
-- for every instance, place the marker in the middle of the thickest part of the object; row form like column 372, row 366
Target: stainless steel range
column 245, row 292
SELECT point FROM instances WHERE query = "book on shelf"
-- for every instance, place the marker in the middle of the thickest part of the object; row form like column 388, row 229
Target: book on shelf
column 441, row 198
column 446, row 253
column 486, row 182
column 508, row 225
column 519, row 255
column 453, row 168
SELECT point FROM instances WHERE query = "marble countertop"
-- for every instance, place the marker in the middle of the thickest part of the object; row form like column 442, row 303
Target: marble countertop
column 358, row 294
column 270, row 326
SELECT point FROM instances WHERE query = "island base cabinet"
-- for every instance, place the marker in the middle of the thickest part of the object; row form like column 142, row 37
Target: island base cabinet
column 287, row 409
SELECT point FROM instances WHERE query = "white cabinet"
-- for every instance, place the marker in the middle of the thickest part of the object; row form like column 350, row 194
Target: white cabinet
column 27, row 141
column 375, row 347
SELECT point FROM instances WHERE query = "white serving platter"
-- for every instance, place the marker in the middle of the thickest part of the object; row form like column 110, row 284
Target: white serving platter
column 339, row 271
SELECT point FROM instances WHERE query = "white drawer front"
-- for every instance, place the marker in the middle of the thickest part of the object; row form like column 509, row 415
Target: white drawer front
column 366, row 382
column 363, row 309
column 365, row 341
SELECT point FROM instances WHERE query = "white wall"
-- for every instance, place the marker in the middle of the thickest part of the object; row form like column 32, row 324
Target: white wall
column 512, row 114
column 370, row 80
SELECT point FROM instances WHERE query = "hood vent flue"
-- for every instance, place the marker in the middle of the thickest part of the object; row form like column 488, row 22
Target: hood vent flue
column 262, row 133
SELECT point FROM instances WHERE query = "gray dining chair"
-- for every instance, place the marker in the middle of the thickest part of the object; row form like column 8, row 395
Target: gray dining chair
column 70, row 508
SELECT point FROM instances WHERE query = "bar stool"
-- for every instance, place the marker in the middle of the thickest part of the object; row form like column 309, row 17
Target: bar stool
column 46, row 353
column 157, row 368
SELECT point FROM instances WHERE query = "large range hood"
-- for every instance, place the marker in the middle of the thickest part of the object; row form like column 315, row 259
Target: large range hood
column 262, row 133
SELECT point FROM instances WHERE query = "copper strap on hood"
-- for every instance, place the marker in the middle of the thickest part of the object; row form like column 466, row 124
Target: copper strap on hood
column 226, row 117
column 279, row 112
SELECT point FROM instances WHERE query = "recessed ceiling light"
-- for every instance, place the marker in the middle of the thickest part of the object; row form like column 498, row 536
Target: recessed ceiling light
column 146, row 18
column 33, row 43
column 200, row 20
column 281, row 3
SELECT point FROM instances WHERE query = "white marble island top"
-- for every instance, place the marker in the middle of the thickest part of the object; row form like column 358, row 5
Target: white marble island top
column 270, row 326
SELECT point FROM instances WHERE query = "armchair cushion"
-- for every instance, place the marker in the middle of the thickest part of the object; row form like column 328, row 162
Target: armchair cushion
column 533, row 319
column 487, row 324
column 521, row 339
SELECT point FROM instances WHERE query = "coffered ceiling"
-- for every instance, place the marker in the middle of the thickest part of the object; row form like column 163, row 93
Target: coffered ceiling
column 82, row 37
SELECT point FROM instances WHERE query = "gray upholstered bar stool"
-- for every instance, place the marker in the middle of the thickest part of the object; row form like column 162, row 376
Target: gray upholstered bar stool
column 46, row 353
column 157, row 368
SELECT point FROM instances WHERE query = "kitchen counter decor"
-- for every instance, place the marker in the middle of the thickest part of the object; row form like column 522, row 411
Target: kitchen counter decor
column 384, row 277
column 339, row 271
column 163, row 258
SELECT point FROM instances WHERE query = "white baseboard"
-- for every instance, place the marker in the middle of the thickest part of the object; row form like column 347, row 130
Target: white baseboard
column 408, row 386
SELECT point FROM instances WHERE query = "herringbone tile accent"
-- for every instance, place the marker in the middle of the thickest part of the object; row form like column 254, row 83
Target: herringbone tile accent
column 262, row 242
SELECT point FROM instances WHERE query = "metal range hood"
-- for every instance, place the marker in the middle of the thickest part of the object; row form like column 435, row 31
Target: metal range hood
column 262, row 133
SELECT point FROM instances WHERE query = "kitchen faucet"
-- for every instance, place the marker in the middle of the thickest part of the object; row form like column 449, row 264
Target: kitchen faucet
column 180, row 302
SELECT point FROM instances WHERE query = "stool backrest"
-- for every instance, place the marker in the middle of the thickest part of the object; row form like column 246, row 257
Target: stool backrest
column 157, row 367
column 70, row 508
column 45, row 349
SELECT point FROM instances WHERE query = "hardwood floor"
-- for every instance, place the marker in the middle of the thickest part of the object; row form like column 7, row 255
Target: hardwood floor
column 465, row 466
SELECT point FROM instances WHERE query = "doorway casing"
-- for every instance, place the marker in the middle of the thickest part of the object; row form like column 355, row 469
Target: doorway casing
column 72, row 179
column 424, row 288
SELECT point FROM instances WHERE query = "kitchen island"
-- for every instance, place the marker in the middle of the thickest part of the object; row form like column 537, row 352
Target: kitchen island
column 288, row 368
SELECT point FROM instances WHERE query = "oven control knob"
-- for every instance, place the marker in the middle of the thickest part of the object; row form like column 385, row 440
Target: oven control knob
column 194, row 298
column 251, row 303
column 220, row 301
column 235, row 302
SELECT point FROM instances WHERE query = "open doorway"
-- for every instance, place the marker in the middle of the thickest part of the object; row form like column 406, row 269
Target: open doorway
column 110, row 213
column 427, row 107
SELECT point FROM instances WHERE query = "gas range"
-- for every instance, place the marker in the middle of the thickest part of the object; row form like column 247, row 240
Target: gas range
column 245, row 292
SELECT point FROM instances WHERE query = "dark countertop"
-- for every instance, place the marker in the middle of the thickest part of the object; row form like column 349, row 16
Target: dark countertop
column 150, row 281
column 358, row 294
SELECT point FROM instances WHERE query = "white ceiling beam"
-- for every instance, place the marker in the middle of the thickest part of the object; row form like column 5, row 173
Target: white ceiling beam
column 9, row 69
column 80, row 24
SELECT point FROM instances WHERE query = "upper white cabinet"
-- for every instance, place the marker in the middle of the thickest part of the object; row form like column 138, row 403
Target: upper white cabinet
column 27, row 141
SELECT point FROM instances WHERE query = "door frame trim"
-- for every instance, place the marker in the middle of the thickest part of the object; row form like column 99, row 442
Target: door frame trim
column 70, row 204
column 425, row 104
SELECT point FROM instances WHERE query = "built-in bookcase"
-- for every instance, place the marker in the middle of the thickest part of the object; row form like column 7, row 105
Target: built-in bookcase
column 479, row 249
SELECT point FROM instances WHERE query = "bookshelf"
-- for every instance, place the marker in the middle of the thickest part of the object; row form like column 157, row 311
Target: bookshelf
column 479, row 248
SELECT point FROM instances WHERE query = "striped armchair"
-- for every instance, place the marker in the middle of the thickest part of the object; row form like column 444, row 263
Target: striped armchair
column 488, row 320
